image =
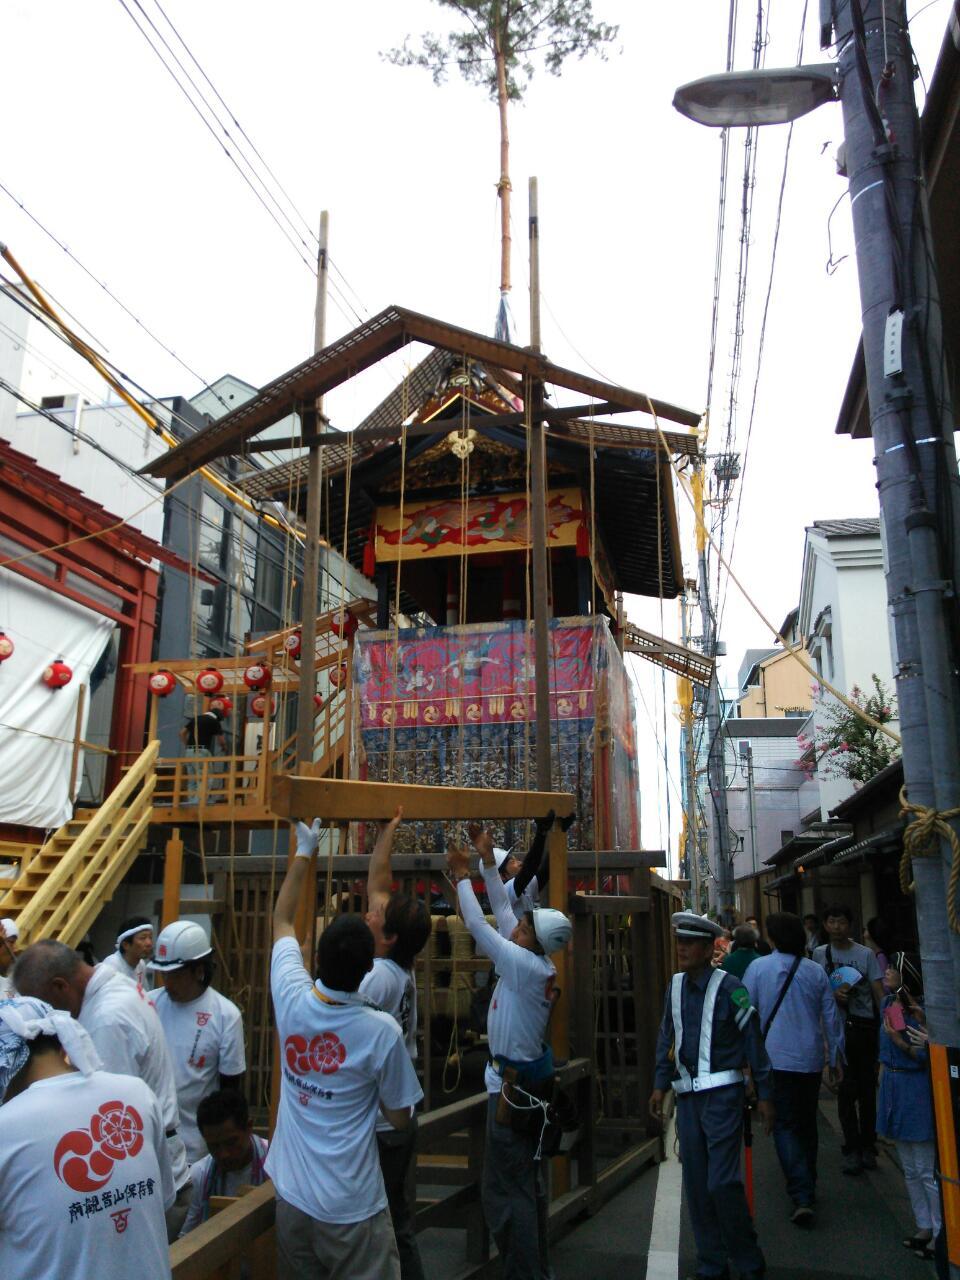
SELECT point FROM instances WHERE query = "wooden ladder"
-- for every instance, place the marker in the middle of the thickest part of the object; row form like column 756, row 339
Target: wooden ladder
column 62, row 889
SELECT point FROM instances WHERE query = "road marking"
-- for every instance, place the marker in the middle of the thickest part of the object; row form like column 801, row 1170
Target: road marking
column 663, row 1256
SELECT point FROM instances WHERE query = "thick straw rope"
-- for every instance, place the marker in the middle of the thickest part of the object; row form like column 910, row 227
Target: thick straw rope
column 920, row 840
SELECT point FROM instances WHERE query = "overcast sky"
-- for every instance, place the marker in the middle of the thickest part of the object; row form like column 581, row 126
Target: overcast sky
column 101, row 146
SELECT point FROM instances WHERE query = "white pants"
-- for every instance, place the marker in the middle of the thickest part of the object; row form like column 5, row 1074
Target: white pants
column 917, row 1159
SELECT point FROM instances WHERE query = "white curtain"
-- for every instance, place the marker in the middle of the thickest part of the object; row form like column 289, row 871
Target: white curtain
column 38, row 725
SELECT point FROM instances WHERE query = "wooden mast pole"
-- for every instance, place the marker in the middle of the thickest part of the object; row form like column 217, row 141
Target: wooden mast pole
column 306, row 920
column 538, row 518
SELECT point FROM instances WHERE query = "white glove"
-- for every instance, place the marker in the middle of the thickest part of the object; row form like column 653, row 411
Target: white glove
column 308, row 838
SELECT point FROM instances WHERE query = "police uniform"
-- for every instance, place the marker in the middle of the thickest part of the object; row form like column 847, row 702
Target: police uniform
column 708, row 1033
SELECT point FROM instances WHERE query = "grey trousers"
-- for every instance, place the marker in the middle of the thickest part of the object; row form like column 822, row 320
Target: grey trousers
column 710, row 1127
column 312, row 1250
column 513, row 1191
column 396, row 1150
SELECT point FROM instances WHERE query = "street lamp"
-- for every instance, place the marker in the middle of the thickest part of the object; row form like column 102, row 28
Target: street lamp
column 758, row 97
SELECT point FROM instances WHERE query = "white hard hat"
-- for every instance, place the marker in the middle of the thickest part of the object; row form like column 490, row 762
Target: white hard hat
column 10, row 929
column 179, row 943
column 552, row 928
column 500, row 856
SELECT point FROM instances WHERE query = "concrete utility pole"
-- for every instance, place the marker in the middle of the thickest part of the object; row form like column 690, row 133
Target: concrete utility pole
column 685, row 698
column 911, row 421
column 746, row 755
column 721, row 860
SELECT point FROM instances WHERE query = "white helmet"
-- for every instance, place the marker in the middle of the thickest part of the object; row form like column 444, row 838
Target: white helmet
column 552, row 928
column 179, row 943
column 500, row 856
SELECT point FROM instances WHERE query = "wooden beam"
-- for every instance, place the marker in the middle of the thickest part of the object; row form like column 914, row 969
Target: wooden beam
column 344, row 800
column 172, row 876
column 583, row 904
column 227, row 1235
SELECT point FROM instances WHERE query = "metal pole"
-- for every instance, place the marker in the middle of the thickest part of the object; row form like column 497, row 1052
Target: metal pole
column 309, row 591
column 911, row 422
column 538, row 520
column 689, row 768
column 752, row 809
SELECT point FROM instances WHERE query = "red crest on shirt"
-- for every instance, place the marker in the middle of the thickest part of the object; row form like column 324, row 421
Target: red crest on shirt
column 325, row 1053
column 120, row 1220
column 203, row 1019
column 84, row 1158
column 303, row 1098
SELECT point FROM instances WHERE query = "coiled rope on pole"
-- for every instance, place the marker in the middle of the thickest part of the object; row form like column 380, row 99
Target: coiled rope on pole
column 920, row 840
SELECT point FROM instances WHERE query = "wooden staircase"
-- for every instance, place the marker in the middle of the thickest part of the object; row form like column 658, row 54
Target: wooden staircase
column 63, row 887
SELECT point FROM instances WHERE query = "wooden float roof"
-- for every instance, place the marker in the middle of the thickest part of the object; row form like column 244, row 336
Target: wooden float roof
column 369, row 343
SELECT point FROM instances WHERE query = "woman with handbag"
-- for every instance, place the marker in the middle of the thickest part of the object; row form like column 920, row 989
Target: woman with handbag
column 798, row 1014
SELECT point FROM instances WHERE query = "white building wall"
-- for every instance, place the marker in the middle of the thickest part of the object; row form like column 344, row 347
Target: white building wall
column 13, row 330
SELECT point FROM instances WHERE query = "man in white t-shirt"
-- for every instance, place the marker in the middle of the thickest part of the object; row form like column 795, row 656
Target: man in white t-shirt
column 134, row 948
column 204, row 1029
column 513, row 1189
column 85, row 1175
column 859, row 1002
column 9, row 933
column 400, row 926
column 125, row 1030
column 342, row 1063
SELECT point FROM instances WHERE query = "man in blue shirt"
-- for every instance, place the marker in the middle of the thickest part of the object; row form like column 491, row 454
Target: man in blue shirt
column 708, row 1036
column 798, row 1015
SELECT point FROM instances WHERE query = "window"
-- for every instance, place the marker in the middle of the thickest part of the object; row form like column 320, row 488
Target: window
column 210, row 532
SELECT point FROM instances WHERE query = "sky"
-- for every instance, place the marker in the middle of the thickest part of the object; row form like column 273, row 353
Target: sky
column 101, row 147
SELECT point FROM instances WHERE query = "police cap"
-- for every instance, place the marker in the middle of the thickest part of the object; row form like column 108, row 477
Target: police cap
column 687, row 924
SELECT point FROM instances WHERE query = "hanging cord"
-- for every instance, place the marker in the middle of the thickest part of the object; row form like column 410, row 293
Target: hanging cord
column 593, row 518
column 392, row 742
column 453, row 1046
column 528, row 586
column 533, row 1103
column 920, row 841
column 792, row 649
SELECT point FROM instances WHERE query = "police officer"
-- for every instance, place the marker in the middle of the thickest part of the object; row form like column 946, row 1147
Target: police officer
column 708, row 1034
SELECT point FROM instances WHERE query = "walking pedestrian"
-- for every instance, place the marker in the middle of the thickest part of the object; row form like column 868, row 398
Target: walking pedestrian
column 708, row 1035
column 761, row 947
column 85, row 1175
column 125, row 1031
column 905, row 1106
column 743, row 952
column 799, row 1018
column 520, row 1070
column 401, row 927
column 343, row 1062
column 204, row 1029
column 855, row 977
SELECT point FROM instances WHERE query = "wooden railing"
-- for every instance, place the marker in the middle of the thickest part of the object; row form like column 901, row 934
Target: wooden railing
column 236, row 1232
column 84, row 876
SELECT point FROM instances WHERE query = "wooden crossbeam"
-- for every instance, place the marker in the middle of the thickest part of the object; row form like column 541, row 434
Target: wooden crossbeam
column 344, row 800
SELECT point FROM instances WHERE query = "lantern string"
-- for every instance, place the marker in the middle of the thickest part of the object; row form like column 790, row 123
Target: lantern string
column 87, row 746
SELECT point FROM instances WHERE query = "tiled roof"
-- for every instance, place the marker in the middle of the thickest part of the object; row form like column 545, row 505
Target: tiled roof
column 848, row 528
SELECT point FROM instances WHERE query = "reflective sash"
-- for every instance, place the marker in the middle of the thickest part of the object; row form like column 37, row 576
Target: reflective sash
column 705, row 1078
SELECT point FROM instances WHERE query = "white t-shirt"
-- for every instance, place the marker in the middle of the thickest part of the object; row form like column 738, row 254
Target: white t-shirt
column 127, row 1034
column 140, row 975
column 84, row 1181
column 207, row 1182
column 523, row 996
column 529, row 900
column 205, row 1039
column 393, row 989
column 339, row 1061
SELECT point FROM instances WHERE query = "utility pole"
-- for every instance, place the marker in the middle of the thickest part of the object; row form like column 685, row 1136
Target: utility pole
column 911, row 421
column 746, row 755
column 716, row 738
column 689, row 766
column 538, row 518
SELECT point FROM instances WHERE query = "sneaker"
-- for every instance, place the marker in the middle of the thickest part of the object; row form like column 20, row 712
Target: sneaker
column 868, row 1159
column 802, row 1216
column 851, row 1164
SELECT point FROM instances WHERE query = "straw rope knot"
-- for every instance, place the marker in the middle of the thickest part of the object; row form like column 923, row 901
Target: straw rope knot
column 920, row 840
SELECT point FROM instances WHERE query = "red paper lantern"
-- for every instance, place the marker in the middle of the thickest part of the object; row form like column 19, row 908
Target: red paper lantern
column 318, row 702
column 57, row 675
column 344, row 626
column 6, row 647
column 222, row 704
column 209, row 681
column 162, row 683
column 338, row 675
column 257, row 676
column 258, row 704
column 293, row 644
